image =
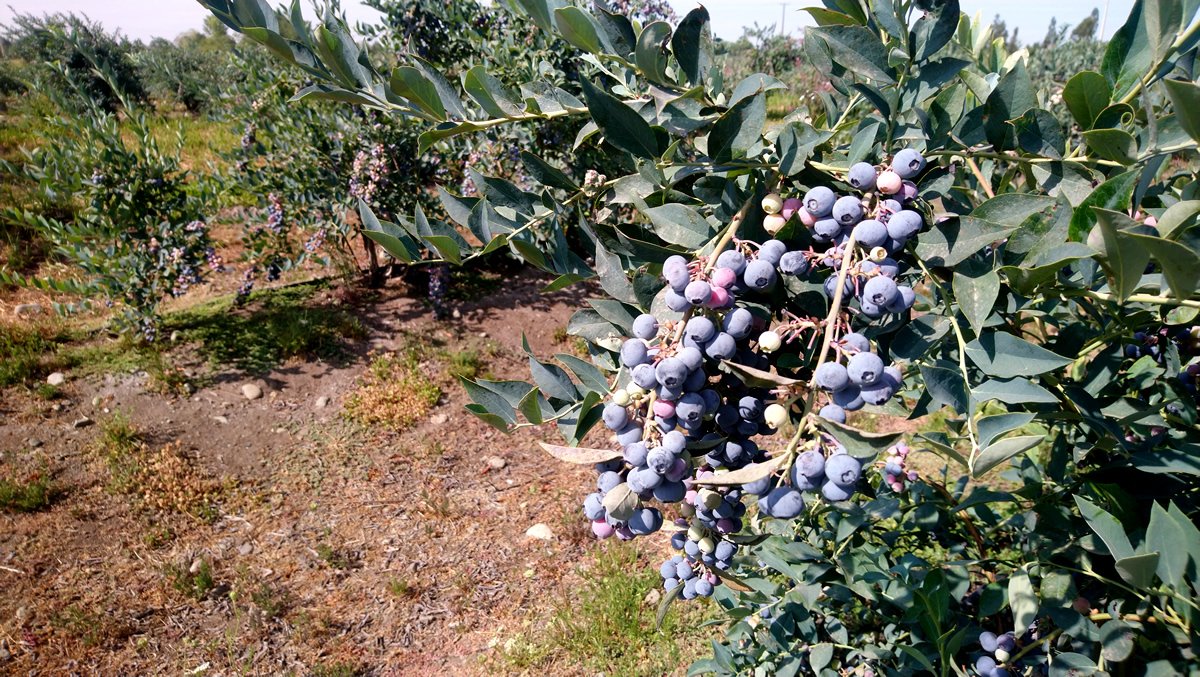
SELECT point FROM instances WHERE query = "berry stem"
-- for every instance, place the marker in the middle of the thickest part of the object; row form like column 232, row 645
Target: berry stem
column 835, row 307
column 736, row 221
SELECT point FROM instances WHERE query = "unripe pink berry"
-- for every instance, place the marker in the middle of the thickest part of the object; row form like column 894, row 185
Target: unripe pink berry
column 723, row 278
column 908, row 191
column 807, row 218
column 664, row 408
column 889, row 182
column 602, row 529
column 720, row 297
column 1151, row 221
column 791, row 206
column 690, row 499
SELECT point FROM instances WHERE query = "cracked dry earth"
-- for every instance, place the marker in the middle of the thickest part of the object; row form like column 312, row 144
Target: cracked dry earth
column 399, row 553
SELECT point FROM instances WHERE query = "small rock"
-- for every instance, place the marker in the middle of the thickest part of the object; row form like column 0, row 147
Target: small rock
column 322, row 402
column 96, row 401
column 197, row 564
column 652, row 598
column 82, row 422
column 5, row 654
column 496, row 463
column 25, row 309
column 541, row 532
column 245, row 549
column 439, row 419
column 56, row 379
column 456, row 314
column 56, row 407
column 221, row 419
column 483, row 334
column 24, row 615
column 34, row 443
column 175, row 336
column 251, row 391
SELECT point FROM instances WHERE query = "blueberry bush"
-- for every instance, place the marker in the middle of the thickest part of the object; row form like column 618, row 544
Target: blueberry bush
column 929, row 243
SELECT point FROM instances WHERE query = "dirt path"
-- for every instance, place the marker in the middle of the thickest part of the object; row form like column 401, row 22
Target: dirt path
column 334, row 547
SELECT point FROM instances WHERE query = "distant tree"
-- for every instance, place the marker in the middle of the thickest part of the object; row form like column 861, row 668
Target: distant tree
column 1086, row 30
column 1000, row 30
column 1054, row 34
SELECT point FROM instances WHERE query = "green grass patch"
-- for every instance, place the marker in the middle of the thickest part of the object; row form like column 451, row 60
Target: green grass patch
column 606, row 626
column 28, row 494
column 275, row 326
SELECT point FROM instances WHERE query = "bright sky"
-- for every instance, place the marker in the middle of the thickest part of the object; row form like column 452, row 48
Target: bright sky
column 146, row 19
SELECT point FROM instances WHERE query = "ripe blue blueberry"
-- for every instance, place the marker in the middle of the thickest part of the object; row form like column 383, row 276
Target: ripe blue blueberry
column 700, row 329
column 782, row 503
column 819, row 201
column 832, row 376
column 864, row 369
column 732, row 259
column 697, row 292
column 615, row 416
column 857, row 342
column 671, row 372
column 908, row 163
column 833, row 413
column 862, row 176
column 793, row 263
column 848, row 210
column 870, row 233
column 633, row 353
column 722, row 347
column 880, row 291
column 825, row 230
column 904, row 224
column 675, row 271
column 843, row 469
column 645, row 326
column 759, row 275
column 738, row 322
column 771, row 251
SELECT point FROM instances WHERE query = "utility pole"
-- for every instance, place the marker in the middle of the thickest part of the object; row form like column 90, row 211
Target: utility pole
column 782, row 16
column 1103, row 21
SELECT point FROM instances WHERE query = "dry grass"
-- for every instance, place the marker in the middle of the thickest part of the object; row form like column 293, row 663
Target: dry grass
column 393, row 393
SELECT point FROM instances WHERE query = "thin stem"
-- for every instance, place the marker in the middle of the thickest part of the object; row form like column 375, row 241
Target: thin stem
column 835, row 307
column 1145, row 80
column 987, row 185
column 988, row 155
column 962, row 354
column 1137, row 298
column 731, row 230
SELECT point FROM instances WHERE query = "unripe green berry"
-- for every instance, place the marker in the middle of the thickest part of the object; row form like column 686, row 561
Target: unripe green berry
column 621, row 396
column 769, row 342
column 774, row 223
column 706, row 545
column 776, row 415
column 772, row 203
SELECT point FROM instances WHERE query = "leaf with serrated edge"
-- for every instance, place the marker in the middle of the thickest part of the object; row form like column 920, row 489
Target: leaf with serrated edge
column 580, row 455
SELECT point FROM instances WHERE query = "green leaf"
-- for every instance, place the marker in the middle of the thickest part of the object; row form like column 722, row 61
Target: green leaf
column 1124, row 255
column 1086, row 94
column 1116, row 640
column 976, row 296
column 588, row 324
column 744, row 475
column 693, row 45
column 954, row 240
column 946, row 386
column 542, row 12
column 612, row 276
column 856, row 49
column 738, row 129
column 1012, row 391
column 671, row 595
column 1178, row 218
column 1185, row 98
column 622, row 125
column 795, row 146
column 1106, row 527
column 1022, row 600
column 1138, row 570
column 1164, row 536
column 680, row 224
column 820, row 655
column 411, row 84
column 651, row 52
column 1003, row 450
column 1003, row 355
column 491, row 94
column 860, row 444
column 1117, row 145
column 1071, row 664
column 1129, row 54
column 1012, row 97
column 935, row 28
column 578, row 28
column 1180, row 264
column 1039, row 132
column 586, row 372
column 545, row 173
column 992, row 427
column 757, row 378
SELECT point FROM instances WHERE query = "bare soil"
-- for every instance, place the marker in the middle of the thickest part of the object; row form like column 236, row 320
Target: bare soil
column 332, row 546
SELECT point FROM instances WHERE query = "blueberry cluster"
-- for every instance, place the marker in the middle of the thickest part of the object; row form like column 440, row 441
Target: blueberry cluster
column 997, row 650
column 897, row 474
column 683, row 419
